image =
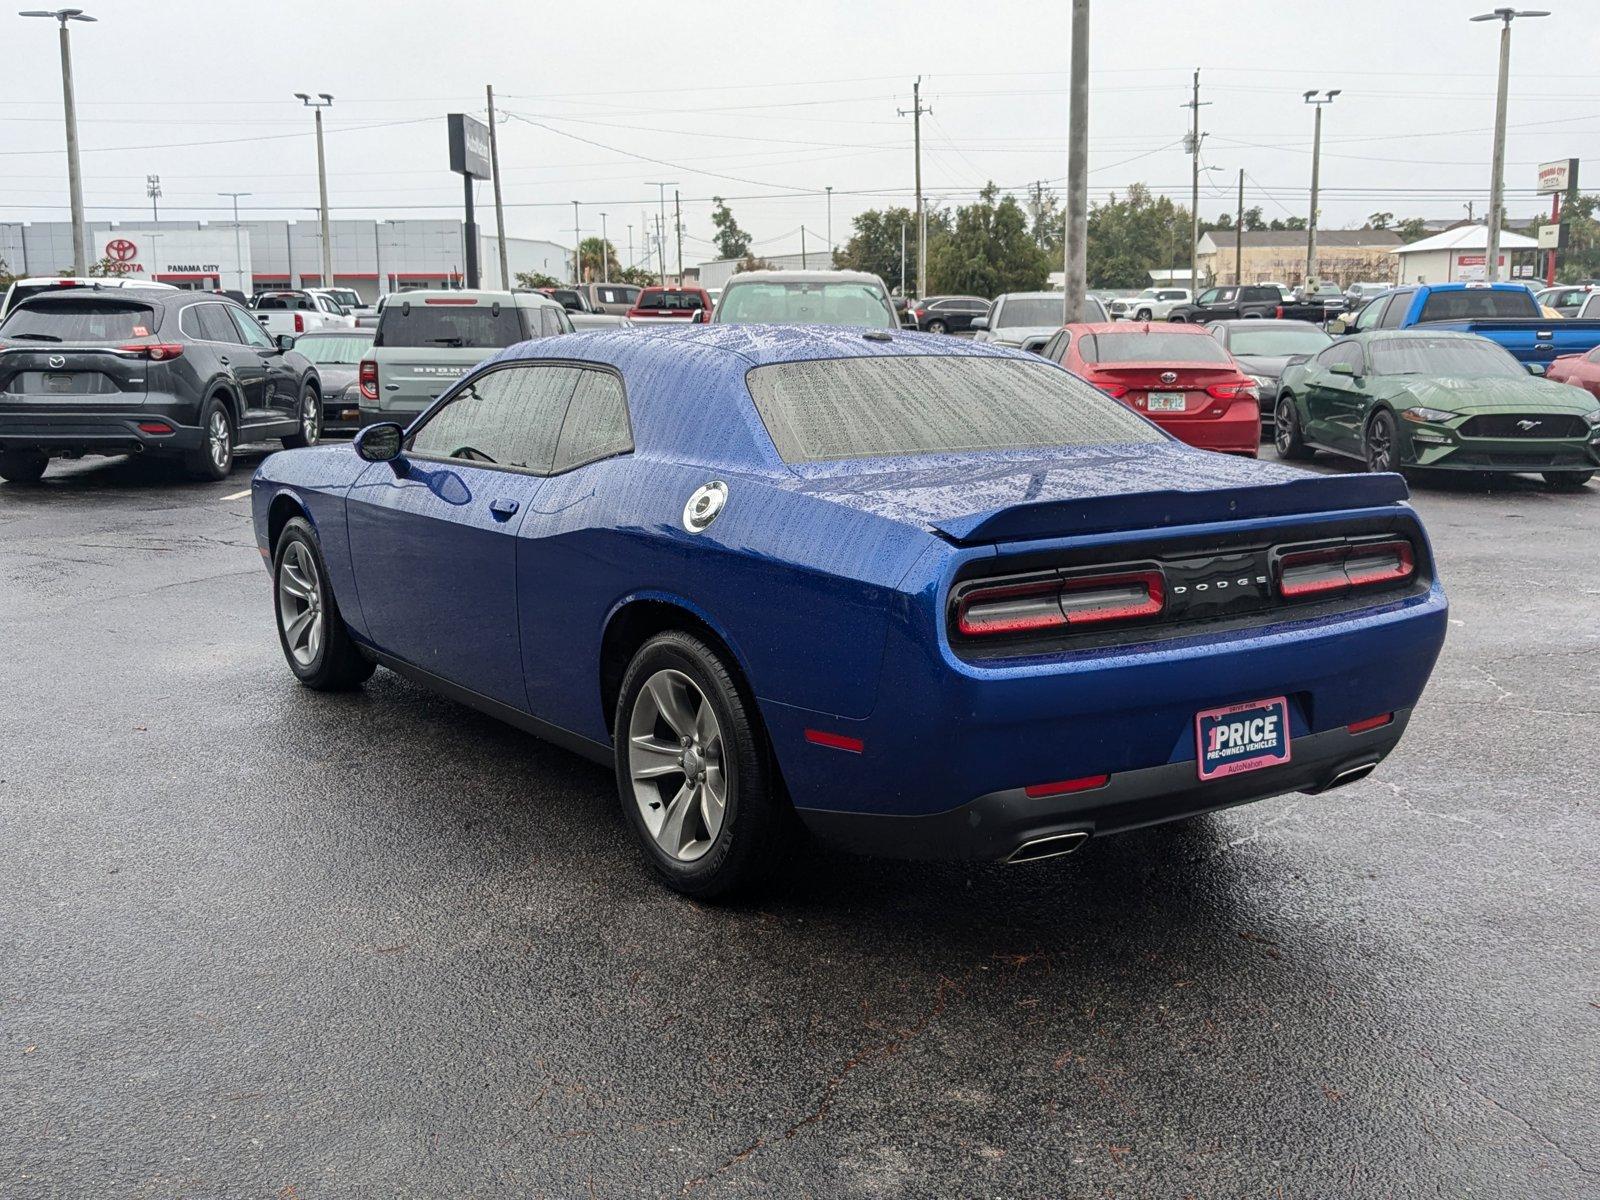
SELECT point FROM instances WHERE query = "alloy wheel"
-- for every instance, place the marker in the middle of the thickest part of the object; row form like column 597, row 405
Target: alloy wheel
column 1380, row 445
column 1281, row 428
column 300, row 605
column 679, row 768
column 310, row 418
column 219, row 439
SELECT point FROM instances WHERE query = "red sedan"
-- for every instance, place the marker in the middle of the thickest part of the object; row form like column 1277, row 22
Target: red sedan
column 1580, row 370
column 1177, row 375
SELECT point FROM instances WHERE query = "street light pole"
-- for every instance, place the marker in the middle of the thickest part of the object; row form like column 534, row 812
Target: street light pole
column 1491, row 257
column 830, row 227
column 238, row 252
column 499, row 208
column 1316, row 99
column 661, row 224
column 1075, row 261
column 1194, row 138
column 322, row 101
column 577, row 247
column 605, row 252
column 69, row 104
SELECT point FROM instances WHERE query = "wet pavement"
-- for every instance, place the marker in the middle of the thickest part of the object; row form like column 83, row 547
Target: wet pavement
column 260, row 942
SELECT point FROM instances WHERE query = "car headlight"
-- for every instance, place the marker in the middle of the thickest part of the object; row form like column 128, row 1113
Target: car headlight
column 1593, row 417
column 1264, row 386
column 1427, row 416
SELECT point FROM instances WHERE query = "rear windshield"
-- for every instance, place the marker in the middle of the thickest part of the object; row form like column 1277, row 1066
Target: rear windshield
column 1479, row 304
column 1151, row 348
column 1031, row 313
column 805, row 303
column 671, row 300
column 1447, row 356
column 883, row 407
column 1271, row 340
column 286, row 303
column 333, row 349
column 451, row 323
column 79, row 321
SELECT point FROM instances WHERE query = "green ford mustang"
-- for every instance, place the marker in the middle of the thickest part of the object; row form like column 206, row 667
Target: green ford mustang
column 1404, row 400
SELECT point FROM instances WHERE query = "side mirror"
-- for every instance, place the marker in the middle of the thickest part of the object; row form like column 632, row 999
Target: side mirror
column 1342, row 369
column 1536, row 369
column 699, row 318
column 380, row 443
column 285, row 341
column 979, row 323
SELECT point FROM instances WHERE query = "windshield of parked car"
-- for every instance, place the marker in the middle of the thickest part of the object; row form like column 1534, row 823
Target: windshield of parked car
column 333, row 349
column 668, row 299
column 94, row 320
column 1467, row 357
column 1271, row 340
column 1030, row 312
column 446, row 321
column 1150, row 348
column 1471, row 304
column 348, row 297
column 796, row 303
column 830, row 409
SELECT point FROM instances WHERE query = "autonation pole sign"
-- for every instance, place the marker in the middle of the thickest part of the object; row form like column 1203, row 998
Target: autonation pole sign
column 469, row 146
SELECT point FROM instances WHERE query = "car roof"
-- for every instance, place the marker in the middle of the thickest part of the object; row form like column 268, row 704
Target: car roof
column 527, row 299
column 1031, row 296
column 1418, row 334
column 1259, row 322
column 804, row 277
column 1182, row 327
column 144, row 292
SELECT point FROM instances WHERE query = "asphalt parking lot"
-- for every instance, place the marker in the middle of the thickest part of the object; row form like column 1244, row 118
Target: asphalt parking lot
column 260, row 942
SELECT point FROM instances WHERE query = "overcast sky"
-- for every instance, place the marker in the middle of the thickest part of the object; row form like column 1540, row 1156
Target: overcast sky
column 768, row 103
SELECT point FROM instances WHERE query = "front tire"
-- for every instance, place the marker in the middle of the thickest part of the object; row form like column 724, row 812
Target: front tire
column 1379, row 448
column 1286, row 433
column 23, row 466
column 1567, row 481
column 214, row 458
column 694, row 771
column 311, row 630
column 936, row 327
column 1143, row 314
column 309, row 432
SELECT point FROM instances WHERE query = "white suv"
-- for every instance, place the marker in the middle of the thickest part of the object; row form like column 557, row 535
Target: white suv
column 1152, row 304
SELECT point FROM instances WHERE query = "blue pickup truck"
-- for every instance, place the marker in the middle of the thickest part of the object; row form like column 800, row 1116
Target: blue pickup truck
column 1505, row 313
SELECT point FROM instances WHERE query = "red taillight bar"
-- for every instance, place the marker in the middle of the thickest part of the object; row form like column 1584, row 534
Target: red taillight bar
column 1324, row 570
column 155, row 351
column 449, row 300
column 367, row 374
column 1056, row 602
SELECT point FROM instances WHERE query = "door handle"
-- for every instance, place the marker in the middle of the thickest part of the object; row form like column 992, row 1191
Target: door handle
column 503, row 509
column 223, row 360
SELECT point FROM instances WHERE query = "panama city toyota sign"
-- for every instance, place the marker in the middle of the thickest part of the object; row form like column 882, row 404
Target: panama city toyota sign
column 122, row 257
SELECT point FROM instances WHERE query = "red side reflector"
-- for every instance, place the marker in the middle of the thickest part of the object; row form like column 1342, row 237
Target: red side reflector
column 835, row 741
column 154, row 427
column 1371, row 723
column 448, row 300
column 1065, row 787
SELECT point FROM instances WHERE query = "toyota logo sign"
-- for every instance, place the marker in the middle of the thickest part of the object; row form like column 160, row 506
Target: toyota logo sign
column 121, row 249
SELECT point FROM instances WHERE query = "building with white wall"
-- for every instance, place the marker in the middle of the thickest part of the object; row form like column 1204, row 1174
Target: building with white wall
column 1459, row 255
column 373, row 257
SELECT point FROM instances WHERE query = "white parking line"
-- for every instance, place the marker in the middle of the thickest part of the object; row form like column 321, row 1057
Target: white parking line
column 238, row 495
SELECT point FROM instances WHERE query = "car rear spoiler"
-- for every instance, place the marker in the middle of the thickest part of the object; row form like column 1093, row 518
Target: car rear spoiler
column 1155, row 510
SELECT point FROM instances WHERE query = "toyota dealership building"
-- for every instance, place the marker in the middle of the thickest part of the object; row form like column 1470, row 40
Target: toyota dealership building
column 373, row 257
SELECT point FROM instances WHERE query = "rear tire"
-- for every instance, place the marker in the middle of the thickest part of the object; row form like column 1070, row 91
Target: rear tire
column 309, row 410
column 1143, row 314
column 1286, row 434
column 1567, row 481
column 936, row 327
column 694, row 771
column 23, row 466
column 214, row 457
column 311, row 630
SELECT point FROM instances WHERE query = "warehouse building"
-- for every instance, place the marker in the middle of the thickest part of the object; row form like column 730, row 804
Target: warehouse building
column 373, row 257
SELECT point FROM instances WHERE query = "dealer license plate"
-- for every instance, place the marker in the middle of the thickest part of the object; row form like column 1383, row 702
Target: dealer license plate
column 1242, row 737
column 1165, row 402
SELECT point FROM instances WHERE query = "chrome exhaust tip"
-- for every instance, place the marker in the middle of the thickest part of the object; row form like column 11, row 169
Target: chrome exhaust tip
column 1053, row 845
column 1348, row 775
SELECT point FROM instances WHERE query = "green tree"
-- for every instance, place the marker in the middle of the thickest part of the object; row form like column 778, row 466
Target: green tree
column 875, row 246
column 1412, row 229
column 1381, row 220
column 1288, row 223
column 731, row 241
column 536, row 279
column 638, row 276
column 1253, row 219
column 988, row 250
column 1131, row 235
column 589, row 259
column 1581, row 257
column 751, row 263
column 1046, row 221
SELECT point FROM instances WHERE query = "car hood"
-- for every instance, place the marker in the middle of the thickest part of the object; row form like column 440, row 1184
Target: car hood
column 1269, row 366
column 1018, row 334
column 1081, row 490
column 1485, row 395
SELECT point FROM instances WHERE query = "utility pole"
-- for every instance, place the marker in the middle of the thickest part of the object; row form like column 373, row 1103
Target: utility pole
column 152, row 188
column 238, row 252
column 1075, row 238
column 605, row 252
column 661, row 223
column 577, row 247
column 1491, row 257
column 1316, row 99
column 915, row 114
column 323, row 101
column 1194, row 139
column 630, row 245
column 69, row 105
column 1238, row 236
column 830, row 227
column 902, row 259
column 802, row 247
column 499, row 210
column 677, row 220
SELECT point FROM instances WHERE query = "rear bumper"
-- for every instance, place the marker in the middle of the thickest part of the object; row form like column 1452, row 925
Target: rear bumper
column 993, row 827
column 57, row 432
column 1237, row 431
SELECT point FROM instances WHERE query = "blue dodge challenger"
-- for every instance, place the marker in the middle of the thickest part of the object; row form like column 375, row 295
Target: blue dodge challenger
column 927, row 597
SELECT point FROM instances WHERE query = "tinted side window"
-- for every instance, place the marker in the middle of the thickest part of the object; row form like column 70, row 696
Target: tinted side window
column 215, row 324
column 548, row 325
column 596, row 424
column 1372, row 314
column 1399, row 304
column 509, row 418
column 249, row 328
